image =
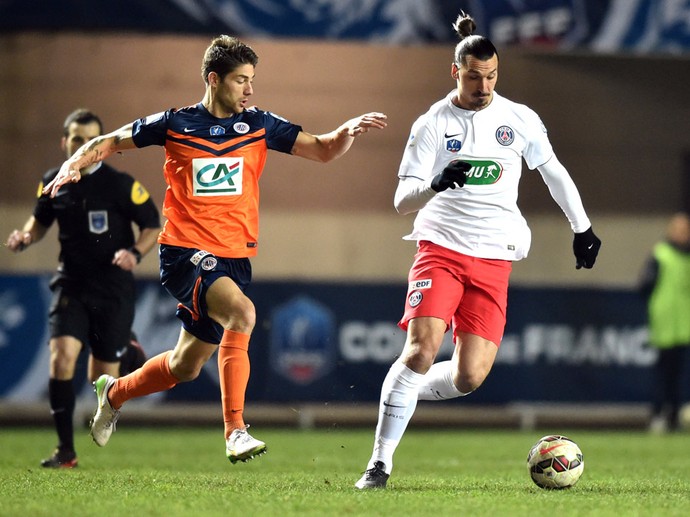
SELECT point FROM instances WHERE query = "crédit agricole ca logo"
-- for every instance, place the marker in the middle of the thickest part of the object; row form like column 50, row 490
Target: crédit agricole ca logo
column 217, row 176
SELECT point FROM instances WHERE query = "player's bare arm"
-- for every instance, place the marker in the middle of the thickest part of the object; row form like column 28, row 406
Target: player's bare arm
column 91, row 152
column 329, row 146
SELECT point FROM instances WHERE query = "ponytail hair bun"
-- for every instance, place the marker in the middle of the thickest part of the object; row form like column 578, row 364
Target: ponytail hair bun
column 471, row 44
column 464, row 26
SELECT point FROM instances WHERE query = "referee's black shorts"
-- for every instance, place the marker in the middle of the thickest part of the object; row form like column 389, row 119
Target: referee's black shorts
column 100, row 318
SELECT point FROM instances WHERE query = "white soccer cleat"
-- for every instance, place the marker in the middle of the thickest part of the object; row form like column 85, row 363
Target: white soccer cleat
column 105, row 417
column 241, row 446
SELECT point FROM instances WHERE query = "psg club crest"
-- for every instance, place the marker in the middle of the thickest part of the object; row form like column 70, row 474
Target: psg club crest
column 415, row 298
column 302, row 340
column 505, row 135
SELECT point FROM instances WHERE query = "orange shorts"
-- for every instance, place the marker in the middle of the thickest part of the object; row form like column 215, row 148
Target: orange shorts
column 468, row 292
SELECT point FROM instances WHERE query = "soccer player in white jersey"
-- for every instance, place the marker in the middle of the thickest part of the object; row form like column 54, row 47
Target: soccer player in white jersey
column 460, row 173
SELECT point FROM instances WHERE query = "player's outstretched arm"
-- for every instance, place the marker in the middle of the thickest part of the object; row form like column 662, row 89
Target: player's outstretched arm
column 565, row 193
column 91, row 152
column 329, row 146
column 586, row 244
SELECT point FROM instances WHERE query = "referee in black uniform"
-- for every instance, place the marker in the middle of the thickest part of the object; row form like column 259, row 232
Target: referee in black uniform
column 93, row 289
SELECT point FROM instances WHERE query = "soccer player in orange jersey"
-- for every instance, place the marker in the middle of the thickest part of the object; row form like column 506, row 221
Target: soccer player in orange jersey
column 215, row 154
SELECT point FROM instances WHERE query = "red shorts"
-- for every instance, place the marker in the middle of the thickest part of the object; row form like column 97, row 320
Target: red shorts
column 469, row 292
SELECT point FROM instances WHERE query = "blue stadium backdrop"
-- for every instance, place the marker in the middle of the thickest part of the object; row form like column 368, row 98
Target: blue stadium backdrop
column 609, row 26
column 335, row 342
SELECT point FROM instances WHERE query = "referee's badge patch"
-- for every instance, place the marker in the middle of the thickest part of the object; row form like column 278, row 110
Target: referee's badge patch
column 139, row 194
column 415, row 298
column 98, row 221
column 505, row 135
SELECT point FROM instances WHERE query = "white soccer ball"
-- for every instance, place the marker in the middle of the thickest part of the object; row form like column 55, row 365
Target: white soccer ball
column 555, row 462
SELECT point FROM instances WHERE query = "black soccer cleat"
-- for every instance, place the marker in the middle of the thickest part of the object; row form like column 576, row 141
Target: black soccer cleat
column 375, row 477
column 61, row 460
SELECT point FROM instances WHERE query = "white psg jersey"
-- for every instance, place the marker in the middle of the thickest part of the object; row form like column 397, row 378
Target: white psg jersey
column 482, row 218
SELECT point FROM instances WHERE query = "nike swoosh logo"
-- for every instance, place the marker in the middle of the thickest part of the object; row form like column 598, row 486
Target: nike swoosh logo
column 121, row 352
column 187, row 130
column 546, row 450
column 392, row 405
column 590, row 246
column 446, row 135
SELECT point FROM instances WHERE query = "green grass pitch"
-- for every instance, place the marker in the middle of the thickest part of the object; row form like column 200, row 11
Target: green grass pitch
column 184, row 472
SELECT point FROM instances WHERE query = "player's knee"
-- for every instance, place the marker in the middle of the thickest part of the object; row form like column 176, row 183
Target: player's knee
column 419, row 359
column 241, row 317
column 62, row 366
column 185, row 371
column 247, row 317
column 469, row 381
column 185, row 374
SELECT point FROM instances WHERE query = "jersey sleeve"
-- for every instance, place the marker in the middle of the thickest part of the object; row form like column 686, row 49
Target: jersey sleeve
column 140, row 207
column 565, row 193
column 538, row 148
column 43, row 211
column 420, row 152
column 151, row 130
column 280, row 133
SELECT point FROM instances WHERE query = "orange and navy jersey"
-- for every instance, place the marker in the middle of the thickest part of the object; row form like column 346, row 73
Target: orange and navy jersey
column 212, row 170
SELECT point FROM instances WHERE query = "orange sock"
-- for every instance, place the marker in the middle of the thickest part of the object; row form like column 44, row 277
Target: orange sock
column 152, row 377
column 233, row 370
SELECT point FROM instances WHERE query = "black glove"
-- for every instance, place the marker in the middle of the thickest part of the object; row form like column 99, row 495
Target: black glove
column 453, row 174
column 586, row 248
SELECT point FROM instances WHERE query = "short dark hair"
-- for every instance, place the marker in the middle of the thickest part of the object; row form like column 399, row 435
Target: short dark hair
column 82, row 116
column 225, row 54
column 471, row 44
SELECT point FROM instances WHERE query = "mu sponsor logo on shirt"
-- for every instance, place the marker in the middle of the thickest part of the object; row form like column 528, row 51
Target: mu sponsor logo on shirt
column 484, row 172
column 217, row 176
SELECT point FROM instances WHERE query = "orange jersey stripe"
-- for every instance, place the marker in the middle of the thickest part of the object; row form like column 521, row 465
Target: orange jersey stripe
column 217, row 147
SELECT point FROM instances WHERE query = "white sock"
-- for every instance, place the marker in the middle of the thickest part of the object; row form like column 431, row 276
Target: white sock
column 438, row 384
column 396, row 407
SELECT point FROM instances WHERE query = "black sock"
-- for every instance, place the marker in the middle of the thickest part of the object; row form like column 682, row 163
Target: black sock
column 62, row 402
